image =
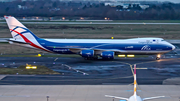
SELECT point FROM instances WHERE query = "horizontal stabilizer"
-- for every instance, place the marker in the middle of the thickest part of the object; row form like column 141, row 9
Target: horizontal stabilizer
column 157, row 97
column 4, row 39
column 116, row 97
column 19, row 42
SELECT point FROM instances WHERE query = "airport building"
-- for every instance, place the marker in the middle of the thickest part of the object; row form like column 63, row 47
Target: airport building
column 126, row 5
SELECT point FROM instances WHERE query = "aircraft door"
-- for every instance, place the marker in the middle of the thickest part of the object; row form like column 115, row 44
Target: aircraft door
column 157, row 41
column 147, row 41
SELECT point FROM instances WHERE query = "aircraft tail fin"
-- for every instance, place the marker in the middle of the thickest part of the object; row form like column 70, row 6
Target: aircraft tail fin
column 18, row 30
column 135, row 82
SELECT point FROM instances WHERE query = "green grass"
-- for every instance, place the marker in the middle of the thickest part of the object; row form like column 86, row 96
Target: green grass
column 148, row 21
column 113, row 21
column 107, row 31
column 99, row 31
column 23, row 70
column 48, row 55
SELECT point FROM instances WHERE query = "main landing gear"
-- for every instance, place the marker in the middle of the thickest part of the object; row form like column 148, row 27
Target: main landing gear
column 91, row 58
column 158, row 57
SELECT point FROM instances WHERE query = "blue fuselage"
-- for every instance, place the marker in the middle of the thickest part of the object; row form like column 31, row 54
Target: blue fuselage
column 125, row 48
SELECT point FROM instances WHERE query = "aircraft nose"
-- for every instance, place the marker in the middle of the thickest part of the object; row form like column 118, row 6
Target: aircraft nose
column 173, row 47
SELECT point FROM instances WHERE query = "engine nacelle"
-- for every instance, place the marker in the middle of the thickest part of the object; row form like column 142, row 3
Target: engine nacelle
column 87, row 53
column 107, row 55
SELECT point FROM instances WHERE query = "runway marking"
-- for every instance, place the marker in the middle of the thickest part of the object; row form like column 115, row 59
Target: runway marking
column 76, row 70
column 143, row 63
column 131, row 69
column 127, row 64
column 55, row 59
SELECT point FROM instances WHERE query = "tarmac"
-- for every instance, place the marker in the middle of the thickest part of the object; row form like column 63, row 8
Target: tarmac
column 77, row 71
column 91, row 80
column 85, row 92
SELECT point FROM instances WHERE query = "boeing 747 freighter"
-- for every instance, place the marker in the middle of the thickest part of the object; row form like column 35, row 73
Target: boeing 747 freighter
column 87, row 48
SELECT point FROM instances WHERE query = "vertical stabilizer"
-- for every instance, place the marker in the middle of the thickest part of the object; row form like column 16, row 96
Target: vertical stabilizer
column 135, row 82
column 18, row 30
column 22, row 34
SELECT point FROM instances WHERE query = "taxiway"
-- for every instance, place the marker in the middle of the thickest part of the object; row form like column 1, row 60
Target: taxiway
column 77, row 71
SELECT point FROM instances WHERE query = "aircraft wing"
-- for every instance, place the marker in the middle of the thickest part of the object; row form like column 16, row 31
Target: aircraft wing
column 74, row 49
column 114, row 50
column 116, row 97
column 149, row 98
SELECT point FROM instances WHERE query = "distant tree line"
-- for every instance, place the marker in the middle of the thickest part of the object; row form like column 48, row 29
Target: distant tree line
column 48, row 8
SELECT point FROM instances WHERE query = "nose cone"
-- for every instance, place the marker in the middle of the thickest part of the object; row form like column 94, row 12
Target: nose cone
column 173, row 47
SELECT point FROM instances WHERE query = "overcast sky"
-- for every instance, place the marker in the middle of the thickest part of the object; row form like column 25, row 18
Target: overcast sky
column 175, row 1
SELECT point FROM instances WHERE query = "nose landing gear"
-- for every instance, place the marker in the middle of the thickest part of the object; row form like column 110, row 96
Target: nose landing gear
column 158, row 57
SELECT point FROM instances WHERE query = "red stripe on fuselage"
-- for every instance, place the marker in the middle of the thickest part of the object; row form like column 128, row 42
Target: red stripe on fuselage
column 28, row 41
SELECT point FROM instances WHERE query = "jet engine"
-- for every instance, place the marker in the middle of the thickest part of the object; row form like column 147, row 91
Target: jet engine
column 87, row 53
column 107, row 55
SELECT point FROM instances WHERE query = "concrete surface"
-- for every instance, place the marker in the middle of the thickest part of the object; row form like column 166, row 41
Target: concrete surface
column 2, row 76
column 84, row 92
column 175, row 81
column 99, row 72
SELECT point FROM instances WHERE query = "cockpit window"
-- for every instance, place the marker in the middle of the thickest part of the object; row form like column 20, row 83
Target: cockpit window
column 154, row 40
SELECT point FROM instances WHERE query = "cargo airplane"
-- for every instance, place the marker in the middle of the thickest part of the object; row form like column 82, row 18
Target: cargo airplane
column 134, row 97
column 87, row 48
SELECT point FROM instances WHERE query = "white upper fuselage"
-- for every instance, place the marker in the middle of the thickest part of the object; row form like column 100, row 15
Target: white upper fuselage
column 112, row 41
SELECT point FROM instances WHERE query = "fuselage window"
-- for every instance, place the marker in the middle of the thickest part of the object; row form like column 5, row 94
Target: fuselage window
column 147, row 41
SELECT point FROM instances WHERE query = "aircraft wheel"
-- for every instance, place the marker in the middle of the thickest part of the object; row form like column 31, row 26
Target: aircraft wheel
column 95, row 57
column 107, row 58
column 86, row 58
column 157, row 58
